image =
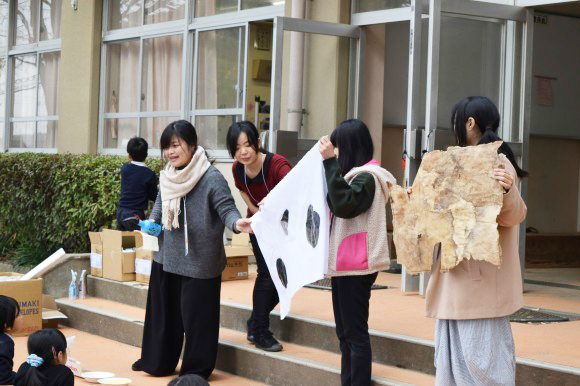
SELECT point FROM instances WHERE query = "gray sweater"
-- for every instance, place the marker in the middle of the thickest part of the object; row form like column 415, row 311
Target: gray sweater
column 209, row 205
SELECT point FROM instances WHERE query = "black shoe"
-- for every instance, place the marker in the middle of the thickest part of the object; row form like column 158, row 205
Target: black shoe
column 267, row 342
column 137, row 366
column 251, row 333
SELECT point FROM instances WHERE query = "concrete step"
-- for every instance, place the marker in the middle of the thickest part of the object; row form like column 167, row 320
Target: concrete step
column 390, row 349
column 295, row 365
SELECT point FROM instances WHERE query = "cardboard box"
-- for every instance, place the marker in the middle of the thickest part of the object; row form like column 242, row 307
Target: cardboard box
column 237, row 258
column 96, row 254
column 118, row 255
column 28, row 294
column 50, row 313
column 143, row 259
column 236, row 268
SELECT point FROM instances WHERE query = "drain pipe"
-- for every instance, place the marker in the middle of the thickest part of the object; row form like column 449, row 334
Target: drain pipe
column 296, row 71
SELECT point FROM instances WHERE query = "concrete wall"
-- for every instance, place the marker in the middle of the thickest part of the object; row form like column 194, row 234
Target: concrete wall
column 553, row 190
column 56, row 280
column 79, row 77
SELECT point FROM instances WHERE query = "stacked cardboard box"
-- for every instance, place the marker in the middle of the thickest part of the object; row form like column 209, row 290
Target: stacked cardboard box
column 118, row 255
column 28, row 294
column 143, row 259
column 96, row 254
column 237, row 258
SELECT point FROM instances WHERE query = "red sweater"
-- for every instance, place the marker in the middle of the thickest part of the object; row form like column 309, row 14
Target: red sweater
column 275, row 168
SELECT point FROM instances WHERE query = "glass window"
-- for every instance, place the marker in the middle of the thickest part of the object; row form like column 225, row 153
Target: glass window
column 469, row 64
column 215, row 7
column 118, row 131
column 3, row 23
column 220, row 68
column 46, row 134
column 158, row 11
column 34, row 76
column 134, row 13
column 27, row 14
column 35, row 94
column 122, row 77
column 376, row 5
column 50, row 21
column 151, row 129
column 162, row 61
column 125, row 13
column 22, row 134
column 48, row 75
column 246, row 4
column 143, row 76
column 32, row 14
column 212, row 130
column 24, row 82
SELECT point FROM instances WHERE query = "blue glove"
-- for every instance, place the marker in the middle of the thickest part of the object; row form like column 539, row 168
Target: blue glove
column 150, row 227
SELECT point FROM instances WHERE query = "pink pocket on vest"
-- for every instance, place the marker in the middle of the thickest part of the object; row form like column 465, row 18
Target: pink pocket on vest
column 352, row 253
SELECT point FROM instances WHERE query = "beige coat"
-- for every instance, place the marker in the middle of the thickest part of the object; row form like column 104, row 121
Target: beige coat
column 477, row 289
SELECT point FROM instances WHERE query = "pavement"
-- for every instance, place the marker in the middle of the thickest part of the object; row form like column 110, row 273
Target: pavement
column 99, row 354
column 390, row 311
column 396, row 312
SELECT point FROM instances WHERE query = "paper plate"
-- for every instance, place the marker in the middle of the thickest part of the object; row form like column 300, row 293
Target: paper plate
column 94, row 376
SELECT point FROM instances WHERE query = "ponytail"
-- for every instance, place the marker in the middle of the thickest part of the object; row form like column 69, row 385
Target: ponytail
column 43, row 347
column 489, row 136
column 487, row 118
column 33, row 377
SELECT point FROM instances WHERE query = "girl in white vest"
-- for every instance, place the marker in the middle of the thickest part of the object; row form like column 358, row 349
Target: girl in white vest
column 358, row 190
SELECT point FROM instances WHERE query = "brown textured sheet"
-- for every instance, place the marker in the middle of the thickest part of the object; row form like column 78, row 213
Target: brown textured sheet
column 455, row 202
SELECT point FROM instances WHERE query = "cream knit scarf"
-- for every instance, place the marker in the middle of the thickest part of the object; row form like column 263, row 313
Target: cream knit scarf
column 175, row 184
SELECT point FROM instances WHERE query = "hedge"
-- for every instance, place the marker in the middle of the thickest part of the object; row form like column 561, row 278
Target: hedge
column 49, row 201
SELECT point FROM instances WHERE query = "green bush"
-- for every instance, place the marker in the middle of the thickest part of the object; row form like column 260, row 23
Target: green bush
column 49, row 201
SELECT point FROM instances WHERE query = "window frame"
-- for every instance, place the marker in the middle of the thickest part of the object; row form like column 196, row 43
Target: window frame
column 9, row 53
column 190, row 27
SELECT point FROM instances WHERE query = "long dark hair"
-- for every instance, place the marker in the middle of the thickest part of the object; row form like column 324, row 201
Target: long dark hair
column 238, row 128
column 47, row 344
column 354, row 142
column 487, row 118
column 9, row 311
column 181, row 129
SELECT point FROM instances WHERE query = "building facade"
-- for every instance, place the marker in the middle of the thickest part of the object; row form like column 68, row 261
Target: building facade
column 84, row 76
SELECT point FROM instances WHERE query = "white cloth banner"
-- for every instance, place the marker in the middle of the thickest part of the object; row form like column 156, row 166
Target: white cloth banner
column 292, row 228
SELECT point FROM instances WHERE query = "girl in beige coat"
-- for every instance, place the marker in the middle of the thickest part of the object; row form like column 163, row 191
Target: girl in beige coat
column 473, row 301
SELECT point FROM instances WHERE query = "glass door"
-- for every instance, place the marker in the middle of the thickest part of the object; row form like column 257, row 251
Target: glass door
column 479, row 48
column 316, row 72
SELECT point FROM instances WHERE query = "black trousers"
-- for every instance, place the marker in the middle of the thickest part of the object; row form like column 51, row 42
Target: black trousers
column 265, row 296
column 350, row 302
column 125, row 213
column 176, row 305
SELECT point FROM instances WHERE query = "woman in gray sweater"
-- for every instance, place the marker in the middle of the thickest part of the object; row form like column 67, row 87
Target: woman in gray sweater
column 194, row 204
